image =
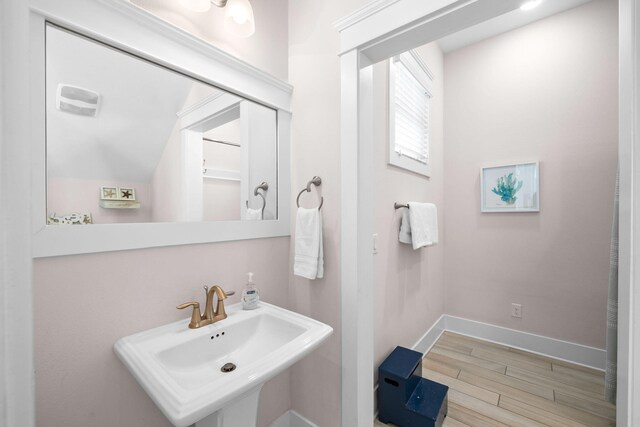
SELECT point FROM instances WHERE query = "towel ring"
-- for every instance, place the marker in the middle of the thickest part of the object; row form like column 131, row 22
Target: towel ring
column 317, row 181
column 264, row 187
column 398, row 205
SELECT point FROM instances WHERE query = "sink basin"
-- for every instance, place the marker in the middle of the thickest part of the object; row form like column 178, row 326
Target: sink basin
column 181, row 368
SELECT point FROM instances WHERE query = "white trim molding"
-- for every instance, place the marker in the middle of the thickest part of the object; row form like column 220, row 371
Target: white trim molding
column 424, row 344
column 538, row 344
column 405, row 24
column 17, row 376
column 363, row 13
column 357, row 278
column 557, row 349
column 292, row 419
column 628, row 393
column 60, row 12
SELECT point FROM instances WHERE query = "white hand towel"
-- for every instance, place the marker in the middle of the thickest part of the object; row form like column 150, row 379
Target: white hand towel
column 254, row 214
column 423, row 218
column 404, row 236
column 309, row 254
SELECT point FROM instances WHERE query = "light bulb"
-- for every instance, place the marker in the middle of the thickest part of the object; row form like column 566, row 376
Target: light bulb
column 238, row 18
column 530, row 4
column 196, row 5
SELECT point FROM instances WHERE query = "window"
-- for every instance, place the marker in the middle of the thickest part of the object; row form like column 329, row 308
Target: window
column 410, row 92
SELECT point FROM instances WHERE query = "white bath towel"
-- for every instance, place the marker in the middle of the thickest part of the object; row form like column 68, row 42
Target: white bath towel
column 254, row 214
column 309, row 256
column 423, row 218
column 404, row 236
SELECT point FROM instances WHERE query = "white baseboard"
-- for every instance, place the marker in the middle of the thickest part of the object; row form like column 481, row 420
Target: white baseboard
column 430, row 337
column 564, row 350
column 292, row 419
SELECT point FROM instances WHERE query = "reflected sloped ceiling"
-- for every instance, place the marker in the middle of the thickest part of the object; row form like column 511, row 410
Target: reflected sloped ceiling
column 139, row 102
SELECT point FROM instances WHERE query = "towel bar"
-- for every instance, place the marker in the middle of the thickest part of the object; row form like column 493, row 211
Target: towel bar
column 317, row 181
column 398, row 205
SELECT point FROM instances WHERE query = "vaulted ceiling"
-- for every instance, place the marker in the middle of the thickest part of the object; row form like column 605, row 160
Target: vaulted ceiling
column 507, row 22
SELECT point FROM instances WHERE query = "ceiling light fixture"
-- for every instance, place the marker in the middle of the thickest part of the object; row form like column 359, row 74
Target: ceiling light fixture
column 530, row 4
column 238, row 18
column 238, row 14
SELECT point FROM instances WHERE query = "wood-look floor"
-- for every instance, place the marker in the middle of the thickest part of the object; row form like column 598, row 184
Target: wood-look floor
column 494, row 385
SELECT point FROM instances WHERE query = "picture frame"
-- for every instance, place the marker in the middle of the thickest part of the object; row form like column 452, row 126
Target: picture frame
column 109, row 193
column 117, row 193
column 511, row 187
column 126, row 193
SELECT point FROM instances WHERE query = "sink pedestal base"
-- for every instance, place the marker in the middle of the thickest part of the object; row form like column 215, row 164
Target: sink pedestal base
column 242, row 411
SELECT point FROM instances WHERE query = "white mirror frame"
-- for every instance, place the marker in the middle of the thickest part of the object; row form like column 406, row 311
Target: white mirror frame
column 128, row 27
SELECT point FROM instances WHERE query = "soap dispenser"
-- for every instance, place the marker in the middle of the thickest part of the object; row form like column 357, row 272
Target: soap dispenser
column 250, row 296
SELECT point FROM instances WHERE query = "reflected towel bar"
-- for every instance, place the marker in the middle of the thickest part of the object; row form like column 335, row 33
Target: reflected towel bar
column 264, row 187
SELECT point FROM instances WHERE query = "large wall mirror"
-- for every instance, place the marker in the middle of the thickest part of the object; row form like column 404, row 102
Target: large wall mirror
column 129, row 141
column 146, row 136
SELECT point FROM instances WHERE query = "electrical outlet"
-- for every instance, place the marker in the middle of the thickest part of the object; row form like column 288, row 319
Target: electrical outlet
column 516, row 310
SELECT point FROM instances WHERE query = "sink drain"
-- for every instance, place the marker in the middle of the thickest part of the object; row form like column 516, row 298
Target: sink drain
column 228, row 367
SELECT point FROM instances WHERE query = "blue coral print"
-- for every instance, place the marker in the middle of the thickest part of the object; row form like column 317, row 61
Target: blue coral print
column 506, row 187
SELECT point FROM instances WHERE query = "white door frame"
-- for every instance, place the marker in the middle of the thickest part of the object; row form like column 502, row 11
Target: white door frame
column 16, row 324
column 385, row 28
column 628, row 403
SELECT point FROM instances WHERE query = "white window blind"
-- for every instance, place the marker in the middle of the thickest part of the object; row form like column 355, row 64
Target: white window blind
column 411, row 115
column 410, row 94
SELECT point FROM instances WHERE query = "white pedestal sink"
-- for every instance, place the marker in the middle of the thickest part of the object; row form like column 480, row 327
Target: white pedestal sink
column 241, row 412
column 182, row 369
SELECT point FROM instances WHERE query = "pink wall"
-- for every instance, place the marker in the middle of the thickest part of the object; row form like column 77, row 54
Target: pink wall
column 545, row 92
column 314, row 71
column 409, row 284
column 84, row 303
column 221, row 200
column 66, row 195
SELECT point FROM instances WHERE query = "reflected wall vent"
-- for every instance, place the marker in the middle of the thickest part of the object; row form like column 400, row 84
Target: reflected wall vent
column 76, row 100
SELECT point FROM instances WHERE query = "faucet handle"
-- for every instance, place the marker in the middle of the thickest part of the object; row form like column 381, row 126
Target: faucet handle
column 195, row 314
column 228, row 294
column 195, row 305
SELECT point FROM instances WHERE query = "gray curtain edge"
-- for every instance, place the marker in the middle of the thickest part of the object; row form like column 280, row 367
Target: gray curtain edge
column 611, row 368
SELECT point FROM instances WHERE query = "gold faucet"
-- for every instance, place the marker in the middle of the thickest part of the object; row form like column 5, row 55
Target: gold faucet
column 210, row 316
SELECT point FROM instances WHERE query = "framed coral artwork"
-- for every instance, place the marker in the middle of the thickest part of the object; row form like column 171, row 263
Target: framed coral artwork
column 510, row 188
